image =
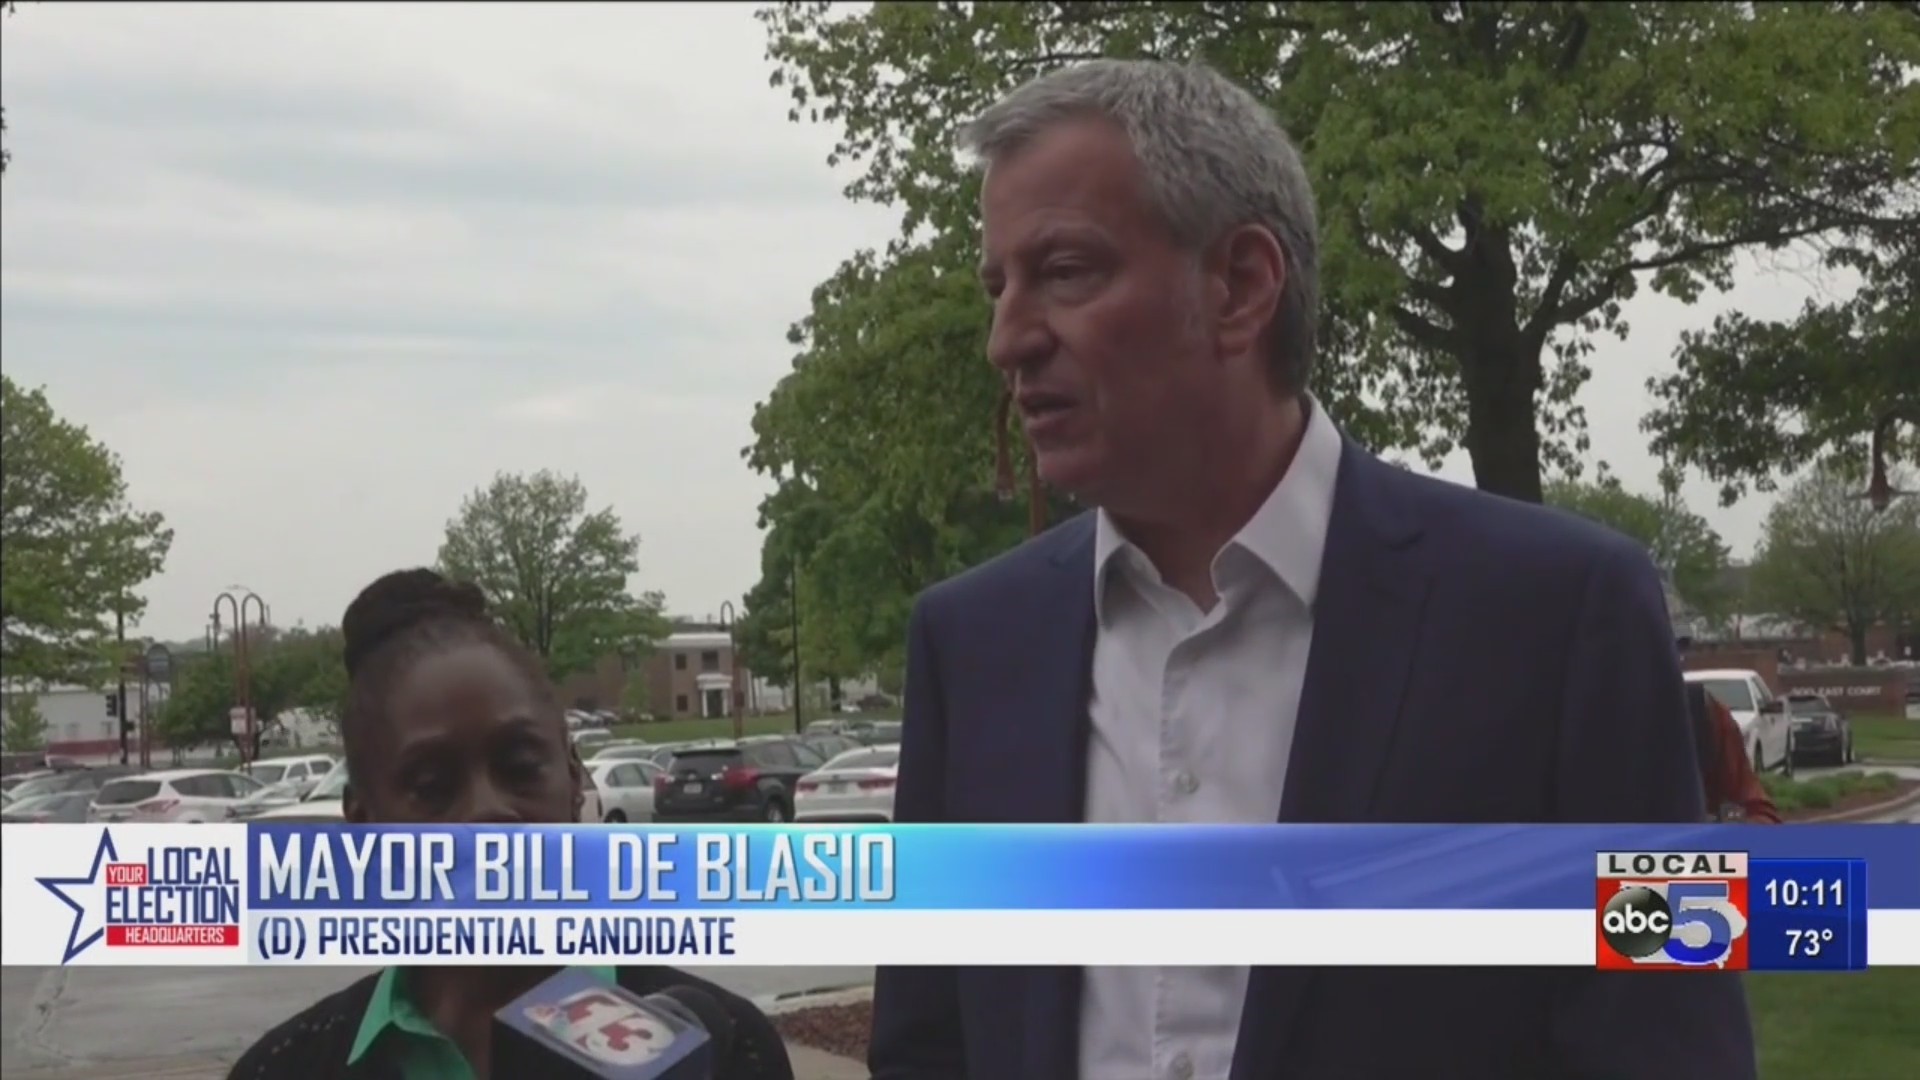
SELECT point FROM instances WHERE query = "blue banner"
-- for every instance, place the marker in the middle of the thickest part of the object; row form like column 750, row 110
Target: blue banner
column 1011, row 867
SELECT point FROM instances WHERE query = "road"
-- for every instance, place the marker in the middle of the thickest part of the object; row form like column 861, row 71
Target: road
column 69, row 1023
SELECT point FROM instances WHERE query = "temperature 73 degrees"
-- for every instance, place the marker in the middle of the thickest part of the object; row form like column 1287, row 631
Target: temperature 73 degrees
column 1807, row 942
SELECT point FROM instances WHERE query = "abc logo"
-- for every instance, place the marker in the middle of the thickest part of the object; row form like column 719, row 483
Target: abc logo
column 1636, row 923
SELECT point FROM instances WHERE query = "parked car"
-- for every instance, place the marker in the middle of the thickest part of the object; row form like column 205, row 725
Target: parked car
column 1764, row 724
column 12, row 783
column 747, row 781
column 67, row 806
column 267, row 798
column 626, row 788
column 856, row 786
column 830, row 746
column 625, row 750
column 299, row 775
column 322, row 804
column 81, row 780
column 877, row 733
column 1820, row 732
column 179, row 795
column 664, row 753
column 587, row 739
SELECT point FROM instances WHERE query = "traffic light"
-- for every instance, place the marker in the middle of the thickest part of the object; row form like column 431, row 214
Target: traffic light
column 113, row 704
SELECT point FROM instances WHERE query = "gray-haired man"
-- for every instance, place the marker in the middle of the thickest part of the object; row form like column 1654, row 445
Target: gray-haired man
column 1260, row 622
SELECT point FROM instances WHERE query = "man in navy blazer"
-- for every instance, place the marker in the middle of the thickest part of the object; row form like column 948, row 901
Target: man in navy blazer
column 1260, row 621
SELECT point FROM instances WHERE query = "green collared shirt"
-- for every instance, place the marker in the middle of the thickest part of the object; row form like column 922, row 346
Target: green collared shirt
column 421, row 1051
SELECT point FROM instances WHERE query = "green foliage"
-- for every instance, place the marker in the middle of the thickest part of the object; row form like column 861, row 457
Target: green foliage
column 1495, row 181
column 1754, row 399
column 882, row 440
column 1679, row 540
column 72, row 550
column 1827, row 559
column 286, row 671
column 26, row 728
column 555, row 574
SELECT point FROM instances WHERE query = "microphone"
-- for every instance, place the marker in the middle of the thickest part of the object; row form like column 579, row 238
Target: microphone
column 572, row 1026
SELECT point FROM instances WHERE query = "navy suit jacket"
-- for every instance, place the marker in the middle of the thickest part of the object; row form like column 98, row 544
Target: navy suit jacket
column 1474, row 659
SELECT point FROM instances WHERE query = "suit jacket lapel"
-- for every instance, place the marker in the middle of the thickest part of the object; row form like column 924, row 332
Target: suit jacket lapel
column 1056, row 633
column 1366, row 625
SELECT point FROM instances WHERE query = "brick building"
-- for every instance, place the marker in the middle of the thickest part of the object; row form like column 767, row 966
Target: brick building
column 688, row 674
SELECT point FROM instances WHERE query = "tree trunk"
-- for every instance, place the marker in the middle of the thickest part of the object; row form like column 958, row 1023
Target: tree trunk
column 833, row 691
column 1857, row 640
column 1503, row 435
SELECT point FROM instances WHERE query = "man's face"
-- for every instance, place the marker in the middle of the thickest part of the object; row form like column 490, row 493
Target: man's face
column 1098, row 318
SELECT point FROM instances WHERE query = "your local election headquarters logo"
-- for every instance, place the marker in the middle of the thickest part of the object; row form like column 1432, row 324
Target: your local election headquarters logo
column 152, row 896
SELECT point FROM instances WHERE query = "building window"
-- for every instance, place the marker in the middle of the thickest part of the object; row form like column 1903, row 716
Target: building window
column 710, row 660
column 680, row 701
column 680, row 664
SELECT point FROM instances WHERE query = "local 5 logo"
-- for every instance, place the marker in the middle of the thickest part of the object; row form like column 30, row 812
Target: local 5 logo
column 1674, row 925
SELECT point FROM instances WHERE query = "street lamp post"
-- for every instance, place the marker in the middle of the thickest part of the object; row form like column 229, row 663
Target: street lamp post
column 727, row 621
column 793, row 601
column 158, row 669
column 240, row 606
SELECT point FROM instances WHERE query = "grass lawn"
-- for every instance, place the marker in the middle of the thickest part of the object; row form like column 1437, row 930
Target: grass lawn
column 1823, row 792
column 1856, row 1026
column 1886, row 739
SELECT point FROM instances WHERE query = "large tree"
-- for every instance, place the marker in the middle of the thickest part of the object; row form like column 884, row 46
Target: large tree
column 1495, row 180
column 1754, row 399
column 1828, row 559
column 73, row 550
column 556, row 573
column 880, row 492
column 1680, row 541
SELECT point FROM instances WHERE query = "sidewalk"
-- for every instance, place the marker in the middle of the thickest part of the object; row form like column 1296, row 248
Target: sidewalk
column 811, row 1064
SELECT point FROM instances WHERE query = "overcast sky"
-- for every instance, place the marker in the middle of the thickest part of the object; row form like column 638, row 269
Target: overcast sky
column 316, row 272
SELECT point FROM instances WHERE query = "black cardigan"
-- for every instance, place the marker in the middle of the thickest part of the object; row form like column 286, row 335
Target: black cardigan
column 313, row 1045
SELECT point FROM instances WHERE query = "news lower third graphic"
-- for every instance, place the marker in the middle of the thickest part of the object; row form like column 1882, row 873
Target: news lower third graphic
column 1632, row 898
column 165, row 896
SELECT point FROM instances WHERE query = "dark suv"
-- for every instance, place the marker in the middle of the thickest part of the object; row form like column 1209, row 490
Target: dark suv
column 746, row 781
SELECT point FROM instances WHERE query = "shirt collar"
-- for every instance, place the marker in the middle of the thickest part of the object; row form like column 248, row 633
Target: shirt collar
column 392, row 1007
column 1288, row 534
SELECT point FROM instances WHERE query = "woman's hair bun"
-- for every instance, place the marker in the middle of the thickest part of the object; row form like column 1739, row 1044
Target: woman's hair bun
column 399, row 601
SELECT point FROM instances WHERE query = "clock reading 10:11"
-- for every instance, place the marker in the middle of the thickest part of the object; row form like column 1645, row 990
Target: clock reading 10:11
column 1789, row 893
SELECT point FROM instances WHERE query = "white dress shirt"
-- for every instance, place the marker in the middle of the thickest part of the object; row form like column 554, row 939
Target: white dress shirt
column 1193, row 717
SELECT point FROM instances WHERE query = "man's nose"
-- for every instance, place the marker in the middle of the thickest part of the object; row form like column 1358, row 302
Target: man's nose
column 1019, row 338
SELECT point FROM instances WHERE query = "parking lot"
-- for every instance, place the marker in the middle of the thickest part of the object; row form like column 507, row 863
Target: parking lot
column 100, row 1023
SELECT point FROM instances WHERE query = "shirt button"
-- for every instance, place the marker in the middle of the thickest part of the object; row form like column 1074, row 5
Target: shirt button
column 1182, row 1067
column 1185, row 784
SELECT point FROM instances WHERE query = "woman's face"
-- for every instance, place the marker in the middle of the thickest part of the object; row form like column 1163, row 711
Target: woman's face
column 464, row 738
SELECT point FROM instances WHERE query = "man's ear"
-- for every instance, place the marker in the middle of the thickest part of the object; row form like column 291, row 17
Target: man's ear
column 1251, row 274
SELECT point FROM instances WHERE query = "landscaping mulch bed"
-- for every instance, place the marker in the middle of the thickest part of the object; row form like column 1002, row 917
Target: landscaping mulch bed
column 836, row 1029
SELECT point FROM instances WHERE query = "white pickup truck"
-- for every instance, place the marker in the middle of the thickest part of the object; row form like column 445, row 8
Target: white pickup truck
column 1762, row 717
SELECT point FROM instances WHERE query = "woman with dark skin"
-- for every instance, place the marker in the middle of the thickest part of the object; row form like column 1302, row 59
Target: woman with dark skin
column 449, row 719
